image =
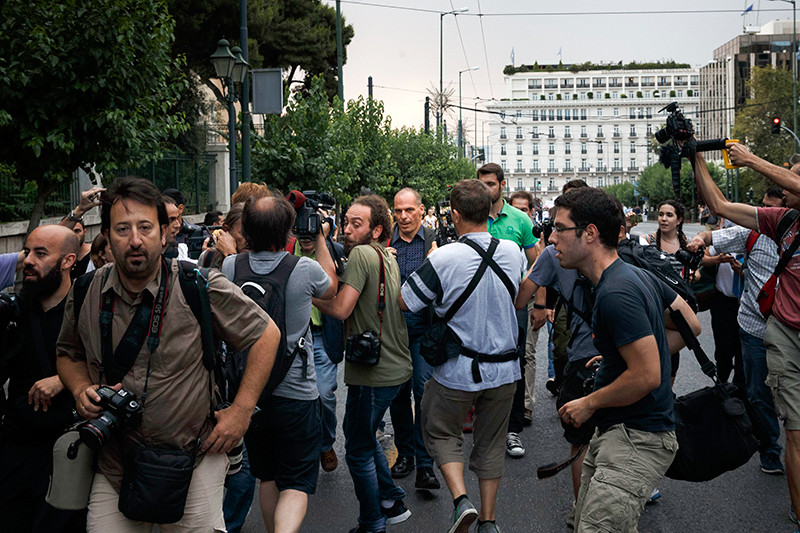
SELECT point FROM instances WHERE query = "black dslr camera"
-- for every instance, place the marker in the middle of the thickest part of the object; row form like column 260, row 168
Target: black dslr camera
column 9, row 308
column 545, row 228
column 363, row 349
column 307, row 204
column 445, row 230
column 690, row 261
column 121, row 410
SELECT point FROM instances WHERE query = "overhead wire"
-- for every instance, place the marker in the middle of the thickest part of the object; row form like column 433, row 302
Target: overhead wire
column 485, row 53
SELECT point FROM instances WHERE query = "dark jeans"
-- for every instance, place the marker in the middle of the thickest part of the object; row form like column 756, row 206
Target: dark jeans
column 239, row 496
column 727, row 347
column 369, row 469
column 754, row 360
column 407, row 428
column 517, row 421
column 24, row 477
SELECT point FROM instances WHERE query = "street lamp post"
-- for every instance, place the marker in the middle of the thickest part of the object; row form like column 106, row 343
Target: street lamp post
column 231, row 68
column 455, row 12
column 794, row 63
column 460, row 127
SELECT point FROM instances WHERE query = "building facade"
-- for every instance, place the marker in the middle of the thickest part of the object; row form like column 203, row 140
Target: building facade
column 723, row 82
column 558, row 125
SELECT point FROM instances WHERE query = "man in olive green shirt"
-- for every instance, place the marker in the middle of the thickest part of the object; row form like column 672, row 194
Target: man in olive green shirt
column 371, row 389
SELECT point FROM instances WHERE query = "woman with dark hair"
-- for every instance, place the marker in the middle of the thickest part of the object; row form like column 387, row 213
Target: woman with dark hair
column 669, row 238
column 226, row 241
column 101, row 251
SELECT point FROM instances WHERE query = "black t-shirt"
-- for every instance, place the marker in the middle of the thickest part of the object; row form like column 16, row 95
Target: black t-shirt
column 629, row 306
column 26, row 368
column 79, row 269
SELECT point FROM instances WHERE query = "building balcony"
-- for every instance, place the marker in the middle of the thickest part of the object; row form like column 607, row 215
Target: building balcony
column 583, row 86
column 648, row 84
column 615, row 85
column 629, row 84
column 616, row 151
column 568, row 136
column 616, row 169
column 584, row 136
column 681, row 83
column 519, row 188
column 553, row 188
column 519, row 137
column 534, row 171
column 551, row 86
column 551, row 135
column 584, row 169
column 664, row 84
column 567, row 86
column 503, row 137
column 617, row 135
column 552, row 169
column 633, row 169
column 534, row 86
column 536, row 188
column 632, row 134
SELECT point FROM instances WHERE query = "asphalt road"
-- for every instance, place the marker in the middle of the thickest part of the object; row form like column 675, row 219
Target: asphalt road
column 742, row 500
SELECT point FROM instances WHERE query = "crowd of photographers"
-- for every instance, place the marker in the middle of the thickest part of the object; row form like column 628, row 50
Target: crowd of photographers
column 190, row 362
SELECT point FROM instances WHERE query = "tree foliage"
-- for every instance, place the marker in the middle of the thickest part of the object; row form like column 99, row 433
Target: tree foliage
column 771, row 91
column 623, row 192
column 83, row 84
column 655, row 183
column 345, row 150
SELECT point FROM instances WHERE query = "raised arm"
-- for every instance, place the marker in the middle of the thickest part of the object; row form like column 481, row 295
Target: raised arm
column 742, row 214
column 740, row 155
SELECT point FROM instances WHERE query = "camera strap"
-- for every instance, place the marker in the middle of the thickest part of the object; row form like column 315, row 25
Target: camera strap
column 381, row 290
column 146, row 324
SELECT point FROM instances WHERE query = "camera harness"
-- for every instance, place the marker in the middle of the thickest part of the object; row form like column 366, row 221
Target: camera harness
column 381, row 295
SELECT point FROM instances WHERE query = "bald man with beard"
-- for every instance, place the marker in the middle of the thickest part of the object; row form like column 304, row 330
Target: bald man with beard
column 38, row 407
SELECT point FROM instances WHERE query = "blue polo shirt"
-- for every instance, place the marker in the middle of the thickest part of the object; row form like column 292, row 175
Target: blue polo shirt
column 512, row 224
column 410, row 256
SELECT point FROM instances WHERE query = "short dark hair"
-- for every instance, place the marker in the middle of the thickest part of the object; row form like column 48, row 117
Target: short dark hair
column 472, row 200
column 573, row 184
column 211, row 218
column 774, row 192
column 135, row 189
column 593, row 206
column 176, row 195
column 525, row 195
column 234, row 215
column 378, row 216
column 267, row 222
column 169, row 200
column 491, row 168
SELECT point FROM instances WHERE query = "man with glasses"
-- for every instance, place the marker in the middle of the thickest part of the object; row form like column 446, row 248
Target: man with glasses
column 632, row 402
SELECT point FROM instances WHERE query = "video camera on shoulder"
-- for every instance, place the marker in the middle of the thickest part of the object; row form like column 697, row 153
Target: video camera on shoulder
column 307, row 204
column 545, row 229
column 196, row 236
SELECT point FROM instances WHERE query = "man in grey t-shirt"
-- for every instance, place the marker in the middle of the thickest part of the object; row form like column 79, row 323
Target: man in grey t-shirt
column 284, row 446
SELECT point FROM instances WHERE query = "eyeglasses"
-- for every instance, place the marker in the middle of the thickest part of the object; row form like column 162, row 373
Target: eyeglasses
column 557, row 229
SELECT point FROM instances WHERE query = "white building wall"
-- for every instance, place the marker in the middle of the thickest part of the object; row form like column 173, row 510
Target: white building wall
column 614, row 132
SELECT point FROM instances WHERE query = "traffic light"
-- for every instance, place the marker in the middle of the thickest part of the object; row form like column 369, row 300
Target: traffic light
column 776, row 125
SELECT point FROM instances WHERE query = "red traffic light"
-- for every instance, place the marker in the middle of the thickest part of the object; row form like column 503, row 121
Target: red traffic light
column 776, row 120
column 776, row 125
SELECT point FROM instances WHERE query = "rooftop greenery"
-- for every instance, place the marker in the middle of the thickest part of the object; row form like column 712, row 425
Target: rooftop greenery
column 577, row 67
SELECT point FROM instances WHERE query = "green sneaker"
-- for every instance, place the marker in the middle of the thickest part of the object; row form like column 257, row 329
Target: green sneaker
column 463, row 517
column 489, row 527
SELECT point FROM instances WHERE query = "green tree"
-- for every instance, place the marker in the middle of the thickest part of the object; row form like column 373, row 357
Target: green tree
column 624, row 192
column 83, row 85
column 771, row 91
column 655, row 183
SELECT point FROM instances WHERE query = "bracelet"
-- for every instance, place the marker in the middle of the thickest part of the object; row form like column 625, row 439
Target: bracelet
column 73, row 218
column 537, row 306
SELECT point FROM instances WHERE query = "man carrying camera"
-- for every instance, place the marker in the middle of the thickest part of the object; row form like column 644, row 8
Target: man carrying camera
column 632, row 402
column 38, row 408
column 140, row 296
column 508, row 223
column 483, row 369
column 782, row 334
column 377, row 360
column 283, row 446
column 412, row 242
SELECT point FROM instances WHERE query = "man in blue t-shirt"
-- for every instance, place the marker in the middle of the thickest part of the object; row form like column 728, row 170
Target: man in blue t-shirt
column 632, row 401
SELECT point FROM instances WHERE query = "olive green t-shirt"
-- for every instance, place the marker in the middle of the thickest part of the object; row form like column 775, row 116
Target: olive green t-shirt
column 363, row 274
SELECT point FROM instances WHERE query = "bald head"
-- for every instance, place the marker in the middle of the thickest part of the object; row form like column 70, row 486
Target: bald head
column 57, row 239
column 267, row 222
column 408, row 194
column 50, row 253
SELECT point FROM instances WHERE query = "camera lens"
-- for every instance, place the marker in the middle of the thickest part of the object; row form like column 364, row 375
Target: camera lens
column 662, row 135
column 95, row 433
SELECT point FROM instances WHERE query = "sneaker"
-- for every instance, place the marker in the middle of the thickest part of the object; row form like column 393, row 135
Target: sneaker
column 771, row 464
column 463, row 517
column 514, row 445
column 528, row 417
column 488, row 527
column 360, row 529
column 469, row 422
column 396, row 513
column 656, row 494
column 550, row 385
column 328, row 460
column 402, row 467
column 426, row 479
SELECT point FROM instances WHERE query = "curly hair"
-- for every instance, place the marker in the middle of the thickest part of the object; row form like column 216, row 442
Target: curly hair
column 680, row 211
column 379, row 215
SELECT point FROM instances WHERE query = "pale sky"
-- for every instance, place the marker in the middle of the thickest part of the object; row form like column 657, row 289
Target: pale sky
column 400, row 48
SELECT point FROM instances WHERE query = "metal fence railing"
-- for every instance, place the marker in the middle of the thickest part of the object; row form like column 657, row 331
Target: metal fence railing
column 16, row 200
column 191, row 175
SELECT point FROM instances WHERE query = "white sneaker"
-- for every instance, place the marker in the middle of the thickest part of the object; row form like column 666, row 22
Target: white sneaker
column 514, row 445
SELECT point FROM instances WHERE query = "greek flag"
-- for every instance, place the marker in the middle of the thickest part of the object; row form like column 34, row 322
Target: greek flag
column 749, row 8
column 512, row 56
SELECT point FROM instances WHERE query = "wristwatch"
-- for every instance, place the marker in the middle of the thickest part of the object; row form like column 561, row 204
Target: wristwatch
column 72, row 218
column 538, row 306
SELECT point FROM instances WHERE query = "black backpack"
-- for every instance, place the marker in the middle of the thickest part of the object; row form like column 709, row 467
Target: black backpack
column 650, row 258
column 269, row 292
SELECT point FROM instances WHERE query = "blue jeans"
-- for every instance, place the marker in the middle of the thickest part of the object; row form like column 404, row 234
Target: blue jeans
column 369, row 469
column 239, row 496
column 551, row 371
column 754, row 361
column 407, row 428
column 327, row 385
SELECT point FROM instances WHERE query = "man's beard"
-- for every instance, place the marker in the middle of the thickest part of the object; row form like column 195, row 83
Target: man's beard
column 141, row 267
column 42, row 287
column 497, row 197
column 350, row 244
